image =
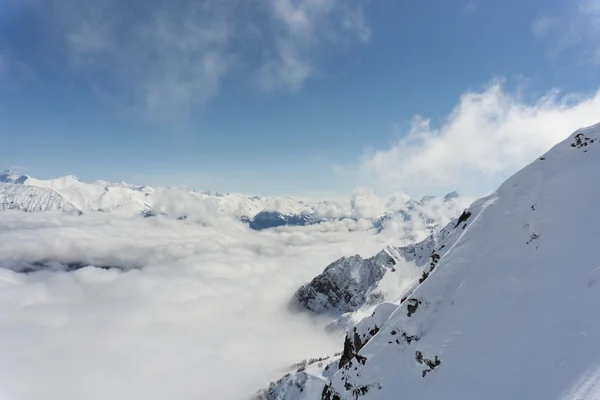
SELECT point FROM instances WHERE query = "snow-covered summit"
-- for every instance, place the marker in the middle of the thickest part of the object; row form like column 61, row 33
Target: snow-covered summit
column 503, row 308
column 258, row 212
column 9, row 176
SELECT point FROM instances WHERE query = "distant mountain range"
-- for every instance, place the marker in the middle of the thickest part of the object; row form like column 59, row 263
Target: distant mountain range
column 69, row 194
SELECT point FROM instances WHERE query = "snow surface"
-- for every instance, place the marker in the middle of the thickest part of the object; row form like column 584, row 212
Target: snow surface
column 33, row 199
column 506, row 313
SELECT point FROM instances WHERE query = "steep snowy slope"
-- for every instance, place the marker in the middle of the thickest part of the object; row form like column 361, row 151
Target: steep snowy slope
column 97, row 197
column 352, row 282
column 508, row 311
column 503, row 307
column 33, row 199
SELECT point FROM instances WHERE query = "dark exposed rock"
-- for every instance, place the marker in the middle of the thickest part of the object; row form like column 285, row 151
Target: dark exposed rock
column 345, row 285
column 412, row 306
column 351, row 282
column 463, row 217
column 29, row 267
column 431, row 364
column 272, row 219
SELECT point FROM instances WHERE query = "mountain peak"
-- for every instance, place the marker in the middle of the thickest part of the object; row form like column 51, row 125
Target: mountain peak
column 451, row 196
column 10, row 176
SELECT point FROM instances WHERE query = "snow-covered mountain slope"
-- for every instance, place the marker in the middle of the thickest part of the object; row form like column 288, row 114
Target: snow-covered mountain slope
column 98, row 196
column 353, row 282
column 506, row 312
column 259, row 212
column 304, row 381
column 503, row 306
column 33, row 199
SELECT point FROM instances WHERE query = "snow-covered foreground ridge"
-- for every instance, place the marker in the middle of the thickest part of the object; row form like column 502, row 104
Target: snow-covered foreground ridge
column 69, row 194
column 504, row 310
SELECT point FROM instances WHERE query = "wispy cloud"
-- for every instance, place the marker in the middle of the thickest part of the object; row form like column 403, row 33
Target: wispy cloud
column 171, row 56
column 299, row 29
column 471, row 7
column 575, row 34
column 542, row 25
column 13, row 70
column 489, row 135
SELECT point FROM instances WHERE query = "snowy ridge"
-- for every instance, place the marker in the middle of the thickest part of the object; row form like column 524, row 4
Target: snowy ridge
column 305, row 381
column 353, row 282
column 463, row 331
column 33, row 199
column 68, row 193
column 259, row 212
column 500, row 308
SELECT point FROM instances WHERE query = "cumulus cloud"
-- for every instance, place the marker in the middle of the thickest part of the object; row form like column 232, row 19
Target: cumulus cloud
column 490, row 134
column 199, row 311
column 171, row 56
column 429, row 215
column 365, row 204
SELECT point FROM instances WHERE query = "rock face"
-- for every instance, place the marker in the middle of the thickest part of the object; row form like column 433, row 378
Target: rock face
column 352, row 282
column 29, row 267
column 345, row 285
column 273, row 219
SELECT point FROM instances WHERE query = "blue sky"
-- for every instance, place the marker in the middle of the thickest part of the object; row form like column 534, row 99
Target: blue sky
column 293, row 97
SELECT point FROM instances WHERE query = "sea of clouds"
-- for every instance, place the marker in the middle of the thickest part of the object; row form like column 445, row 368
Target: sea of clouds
column 198, row 309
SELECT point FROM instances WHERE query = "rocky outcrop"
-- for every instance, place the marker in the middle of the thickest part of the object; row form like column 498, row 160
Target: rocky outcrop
column 351, row 282
column 305, row 380
column 402, row 335
column 345, row 285
column 29, row 267
column 274, row 219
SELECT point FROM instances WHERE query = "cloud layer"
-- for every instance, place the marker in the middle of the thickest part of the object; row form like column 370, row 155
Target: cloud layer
column 204, row 316
column 489, row 135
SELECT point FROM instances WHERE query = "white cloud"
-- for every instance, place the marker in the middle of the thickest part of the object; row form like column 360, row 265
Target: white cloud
column 365, row 204
column 205, row 317
column 199, row 311
column 489, row 135
column 288, row 69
